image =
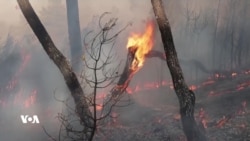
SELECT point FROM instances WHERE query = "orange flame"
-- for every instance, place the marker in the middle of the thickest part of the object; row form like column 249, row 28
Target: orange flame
column 143, row 43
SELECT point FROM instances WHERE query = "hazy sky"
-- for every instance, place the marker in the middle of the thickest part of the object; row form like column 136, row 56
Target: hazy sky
column 10, row 13
column 127, row 11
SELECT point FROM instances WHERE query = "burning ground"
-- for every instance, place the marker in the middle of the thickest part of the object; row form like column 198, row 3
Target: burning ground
column 222, row 107
column 152, row 114
column 224, row 115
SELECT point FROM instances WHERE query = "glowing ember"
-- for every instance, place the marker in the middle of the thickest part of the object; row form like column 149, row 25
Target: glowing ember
column 247, row 72
column 129, row 90
column 203, row 118
column 143, row 43
column 99, row 107
column 149, row 86
column 208, row 82
column 234, row 74
column 193, row 87
column 217, row 75
column 31, row 99
column 222, row 122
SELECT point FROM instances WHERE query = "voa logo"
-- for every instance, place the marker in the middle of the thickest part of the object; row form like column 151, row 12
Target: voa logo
column 30, row 119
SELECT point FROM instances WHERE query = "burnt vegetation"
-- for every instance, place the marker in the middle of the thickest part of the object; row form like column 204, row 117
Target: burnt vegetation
column 109, row 96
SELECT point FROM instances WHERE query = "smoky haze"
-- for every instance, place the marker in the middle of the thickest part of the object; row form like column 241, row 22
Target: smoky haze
column 207, row 32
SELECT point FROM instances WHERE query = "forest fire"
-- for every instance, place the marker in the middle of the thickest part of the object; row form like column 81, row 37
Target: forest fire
column 209, row 82
column 15, row 94
column 158, row 103
column 143, row 43
column 138, row 46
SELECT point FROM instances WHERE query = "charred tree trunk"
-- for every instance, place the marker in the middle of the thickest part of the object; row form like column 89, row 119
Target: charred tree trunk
column 126, row 76
column 185, row 96
column 74, row 33
column 61, row 62
column 122, row 84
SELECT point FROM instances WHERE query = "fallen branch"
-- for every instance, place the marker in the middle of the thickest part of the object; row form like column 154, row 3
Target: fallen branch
column 155, row 53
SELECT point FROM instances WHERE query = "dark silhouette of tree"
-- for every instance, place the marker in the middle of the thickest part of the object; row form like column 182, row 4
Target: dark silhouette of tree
column 185, row 96
column 81, row 105
column 97, row 59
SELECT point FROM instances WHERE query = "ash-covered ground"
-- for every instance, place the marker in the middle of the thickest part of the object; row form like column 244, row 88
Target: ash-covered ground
column 222, row 110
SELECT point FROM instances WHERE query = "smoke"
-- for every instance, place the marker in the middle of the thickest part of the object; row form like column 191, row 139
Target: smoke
column 193, row 25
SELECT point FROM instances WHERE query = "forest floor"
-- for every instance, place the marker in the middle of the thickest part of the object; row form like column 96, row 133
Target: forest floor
column 222, row 110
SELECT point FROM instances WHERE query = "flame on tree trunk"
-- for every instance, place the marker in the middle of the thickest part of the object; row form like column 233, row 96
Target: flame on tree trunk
column 126, row 76
column 139, row 45
column 121, row 86
column 185, row 96
column 61, row 62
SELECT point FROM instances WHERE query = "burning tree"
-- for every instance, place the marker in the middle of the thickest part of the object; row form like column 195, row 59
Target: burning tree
column 139, row 45
column 138, row 48
column 185, row 95
column 87, row 108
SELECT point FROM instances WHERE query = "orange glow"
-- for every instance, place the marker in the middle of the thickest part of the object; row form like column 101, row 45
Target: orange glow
column 31, row 99
column 208, row 82
column 222, row 121
column 143, row 43
column 203, row 117
column 129, row 90
column 98, row 107
column 234, row 74
column 247, row 72
column 193, row 87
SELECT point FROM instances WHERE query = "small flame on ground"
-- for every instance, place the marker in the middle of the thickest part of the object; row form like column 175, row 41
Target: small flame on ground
column 234, row 74
column 31, row 99
column 203, row 118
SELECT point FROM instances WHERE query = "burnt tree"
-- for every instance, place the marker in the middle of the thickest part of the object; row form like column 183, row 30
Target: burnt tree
column 81, row 105
column 117, row 92
column 185, row 96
